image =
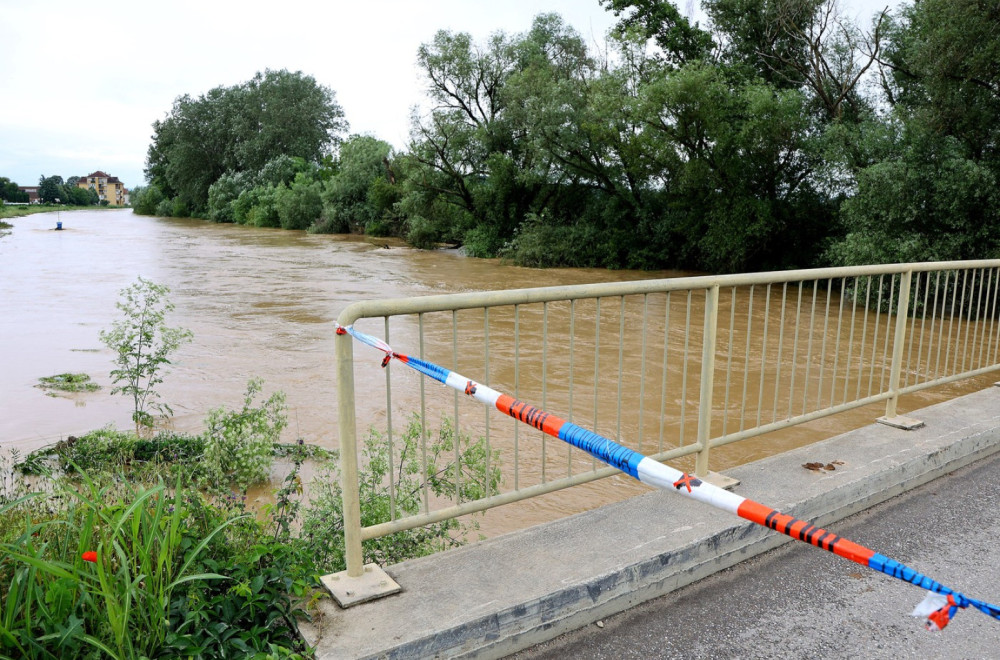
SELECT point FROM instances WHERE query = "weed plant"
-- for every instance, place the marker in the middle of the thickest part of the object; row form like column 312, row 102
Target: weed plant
column 102, row 559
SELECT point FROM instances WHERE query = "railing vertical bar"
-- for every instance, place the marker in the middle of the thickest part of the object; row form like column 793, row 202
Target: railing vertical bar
column 458, row 445
column 910, row 367
column 940, row 324
column 621, row 367
column 486, row 409
column 822, row 353
column 517, row 393
column 969, row 320
column 984, row 303
column 781, row 344
column 684, row 368
column 864, row 337
column 706, row 395
column 840, row 325
column 572, row 340
column 746, row 360
column 923, row 324
column 885, row 341
column 642, row 367
column 995, row 323
column 850, row 340
column 597, row 368
column 663, row 385
column 878, row 319
column 897, row 343
column 951, row 325
column 809, row 349
column 388, row 428
column 795, row 352
column 423, row 420
column 763, row 353
column 729, row 359
column 347, row 427
column 545, row 380
column 963, row 321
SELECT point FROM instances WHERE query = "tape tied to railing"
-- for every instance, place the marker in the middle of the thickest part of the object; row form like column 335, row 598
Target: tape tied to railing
column 938, row 607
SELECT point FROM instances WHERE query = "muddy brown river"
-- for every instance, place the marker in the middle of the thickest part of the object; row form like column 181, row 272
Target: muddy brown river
column 260, row 303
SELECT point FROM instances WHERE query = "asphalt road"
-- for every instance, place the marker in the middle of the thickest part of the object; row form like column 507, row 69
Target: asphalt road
column 800, row 602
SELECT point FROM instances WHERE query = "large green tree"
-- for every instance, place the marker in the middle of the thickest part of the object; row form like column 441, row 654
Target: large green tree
column 929, row 186
column 240, row 129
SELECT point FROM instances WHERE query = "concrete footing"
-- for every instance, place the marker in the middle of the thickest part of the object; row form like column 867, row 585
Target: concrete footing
column 494, row 597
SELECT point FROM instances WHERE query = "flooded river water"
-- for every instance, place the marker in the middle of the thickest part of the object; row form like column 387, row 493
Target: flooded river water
column 259, row 302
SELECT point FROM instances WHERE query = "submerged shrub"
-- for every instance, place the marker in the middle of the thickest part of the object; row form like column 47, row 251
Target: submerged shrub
column 239, row 444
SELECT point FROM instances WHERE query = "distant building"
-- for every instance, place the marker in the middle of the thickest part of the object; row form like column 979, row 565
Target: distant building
column 107, row 187
column 32, row 193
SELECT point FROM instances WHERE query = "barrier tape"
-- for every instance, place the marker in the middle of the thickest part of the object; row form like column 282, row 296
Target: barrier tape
column 938, row 607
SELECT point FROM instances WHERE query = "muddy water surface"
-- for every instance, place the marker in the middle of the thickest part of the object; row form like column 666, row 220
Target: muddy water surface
column 260, row 302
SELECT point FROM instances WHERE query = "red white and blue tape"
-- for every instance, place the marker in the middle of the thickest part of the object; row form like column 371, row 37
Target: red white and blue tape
column 938, row 607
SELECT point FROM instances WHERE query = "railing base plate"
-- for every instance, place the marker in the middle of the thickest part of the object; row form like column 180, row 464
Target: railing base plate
column 373, row 583
column 900, row 422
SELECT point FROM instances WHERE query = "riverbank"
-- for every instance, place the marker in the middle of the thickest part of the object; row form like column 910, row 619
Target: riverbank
column 9, row 211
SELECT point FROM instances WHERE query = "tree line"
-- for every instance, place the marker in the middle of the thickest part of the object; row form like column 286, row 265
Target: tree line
column 51, row 190
column 781, row 135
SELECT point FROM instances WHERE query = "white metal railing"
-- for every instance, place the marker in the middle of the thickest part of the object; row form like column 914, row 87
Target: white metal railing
column 701, row 362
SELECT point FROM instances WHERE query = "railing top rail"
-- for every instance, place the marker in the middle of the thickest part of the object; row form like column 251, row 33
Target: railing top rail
column 477, row 299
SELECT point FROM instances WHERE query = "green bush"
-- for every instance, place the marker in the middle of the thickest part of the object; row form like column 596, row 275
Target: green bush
column 400, row 477
column 239, row 445
column 164, row 208
column 299, row 205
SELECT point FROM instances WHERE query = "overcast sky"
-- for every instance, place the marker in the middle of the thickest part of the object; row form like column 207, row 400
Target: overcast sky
column 81, row 83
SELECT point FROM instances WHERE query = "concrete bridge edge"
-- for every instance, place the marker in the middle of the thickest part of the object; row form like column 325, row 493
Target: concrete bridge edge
column 495, row 597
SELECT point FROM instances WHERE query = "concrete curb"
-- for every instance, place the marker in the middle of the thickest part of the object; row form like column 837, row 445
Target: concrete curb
column 495, row 597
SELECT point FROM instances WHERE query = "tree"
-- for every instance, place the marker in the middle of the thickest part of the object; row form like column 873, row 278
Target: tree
column 240, row 129
column 360, row 193
column 9, row 191
column 680, row 42
column 927, row 187
column 299, row 204
column 142, row 344
column 942, row 66
column 50, row 189
column 473, row 150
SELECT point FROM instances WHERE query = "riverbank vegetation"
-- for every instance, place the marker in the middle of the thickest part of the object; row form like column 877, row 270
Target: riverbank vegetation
column 149, row 543
column 781, row 134
column 68, row 383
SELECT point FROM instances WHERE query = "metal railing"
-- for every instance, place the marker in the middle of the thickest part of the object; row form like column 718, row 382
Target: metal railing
column 670, row 367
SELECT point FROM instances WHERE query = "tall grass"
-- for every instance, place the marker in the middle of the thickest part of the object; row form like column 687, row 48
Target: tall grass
column 102, row 575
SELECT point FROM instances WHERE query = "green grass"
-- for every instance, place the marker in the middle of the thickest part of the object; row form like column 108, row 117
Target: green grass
column 8, row 211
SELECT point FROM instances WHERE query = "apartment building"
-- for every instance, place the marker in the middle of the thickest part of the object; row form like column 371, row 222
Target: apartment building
column 107, row 187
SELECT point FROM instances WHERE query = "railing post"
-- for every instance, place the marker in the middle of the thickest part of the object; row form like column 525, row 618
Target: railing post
column 359, row 583
column 902, row 315
column 707, row 379
column 347, row 427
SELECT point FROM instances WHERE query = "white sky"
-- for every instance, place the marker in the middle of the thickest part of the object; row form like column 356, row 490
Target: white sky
column 81, row 84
